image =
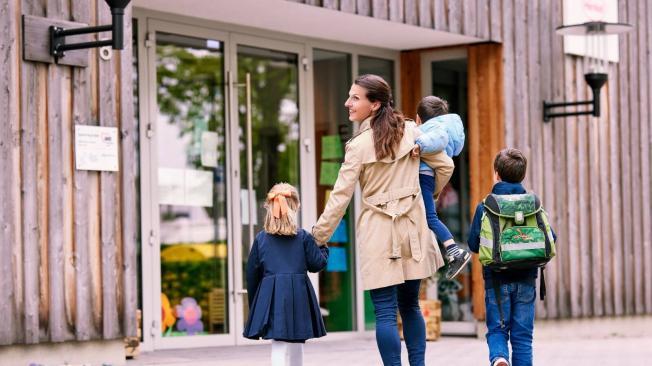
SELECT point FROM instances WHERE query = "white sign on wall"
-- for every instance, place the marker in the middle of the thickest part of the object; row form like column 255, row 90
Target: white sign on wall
column 582, row 11
column 96, row 148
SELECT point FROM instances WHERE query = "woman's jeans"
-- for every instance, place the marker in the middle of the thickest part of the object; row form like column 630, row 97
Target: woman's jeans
column 427, row 183
column 517, row 300
column 386, row 300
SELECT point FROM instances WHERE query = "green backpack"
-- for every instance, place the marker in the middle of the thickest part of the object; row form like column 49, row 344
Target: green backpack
column 515, row 233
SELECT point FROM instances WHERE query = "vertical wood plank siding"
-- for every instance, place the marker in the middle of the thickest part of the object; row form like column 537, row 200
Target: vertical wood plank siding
column 9, row 153
column 593, row 173
column 60, row 281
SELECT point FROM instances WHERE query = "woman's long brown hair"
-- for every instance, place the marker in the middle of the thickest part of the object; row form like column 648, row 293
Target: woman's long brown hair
column 387, row 124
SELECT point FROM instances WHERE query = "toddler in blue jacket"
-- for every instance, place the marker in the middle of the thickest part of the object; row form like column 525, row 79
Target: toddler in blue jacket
column 441, row 131
column 283, row 306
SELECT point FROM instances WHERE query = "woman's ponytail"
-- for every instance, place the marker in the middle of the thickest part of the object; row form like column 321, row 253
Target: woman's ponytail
column 387, row 124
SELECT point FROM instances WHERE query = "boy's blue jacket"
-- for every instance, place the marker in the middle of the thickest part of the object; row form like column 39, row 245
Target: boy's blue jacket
column 501, row 188
column 445, row 132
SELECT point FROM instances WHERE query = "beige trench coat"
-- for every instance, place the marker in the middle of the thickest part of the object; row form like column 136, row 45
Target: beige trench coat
column 394, row 241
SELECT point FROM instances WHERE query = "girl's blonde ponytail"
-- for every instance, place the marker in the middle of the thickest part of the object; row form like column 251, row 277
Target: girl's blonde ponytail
column 282, row 205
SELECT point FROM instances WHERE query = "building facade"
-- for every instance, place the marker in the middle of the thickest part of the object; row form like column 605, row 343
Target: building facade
column 215, row 101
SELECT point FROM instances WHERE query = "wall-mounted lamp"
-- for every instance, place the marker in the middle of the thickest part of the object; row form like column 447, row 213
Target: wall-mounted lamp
column 58, row 35
column 596, row 57
column 44, row 39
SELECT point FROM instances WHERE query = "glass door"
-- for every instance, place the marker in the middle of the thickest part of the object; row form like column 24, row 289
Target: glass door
column 266, row 101
column 445, row 76
column 190, row 214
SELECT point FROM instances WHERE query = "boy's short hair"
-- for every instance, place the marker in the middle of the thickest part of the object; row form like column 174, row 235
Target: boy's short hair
column 431, row 107
column 511, row 165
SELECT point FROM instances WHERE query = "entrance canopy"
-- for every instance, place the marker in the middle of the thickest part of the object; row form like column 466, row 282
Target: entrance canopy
column 310, row 21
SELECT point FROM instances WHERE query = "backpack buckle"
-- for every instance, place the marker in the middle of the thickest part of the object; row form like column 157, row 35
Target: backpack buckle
column 519, row 218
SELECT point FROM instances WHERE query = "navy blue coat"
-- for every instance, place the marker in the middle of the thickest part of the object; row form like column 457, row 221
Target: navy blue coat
column 282, row 301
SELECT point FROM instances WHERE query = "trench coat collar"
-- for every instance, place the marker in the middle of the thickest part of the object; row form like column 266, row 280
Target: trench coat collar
column 365, row 125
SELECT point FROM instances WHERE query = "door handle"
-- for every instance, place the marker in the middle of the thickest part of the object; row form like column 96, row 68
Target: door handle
column 250, row 168
column 249, row 152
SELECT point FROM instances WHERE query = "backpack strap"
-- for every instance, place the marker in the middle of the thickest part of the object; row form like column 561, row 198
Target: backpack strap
column 542, row 285
column 491, row 206
column 542, row 226
column 496, row 286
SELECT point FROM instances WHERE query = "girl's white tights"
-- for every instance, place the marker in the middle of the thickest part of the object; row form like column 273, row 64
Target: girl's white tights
column 287, row 354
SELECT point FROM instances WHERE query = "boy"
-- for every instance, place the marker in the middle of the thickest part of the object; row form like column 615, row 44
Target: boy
column 445, row 132
column 511, row 315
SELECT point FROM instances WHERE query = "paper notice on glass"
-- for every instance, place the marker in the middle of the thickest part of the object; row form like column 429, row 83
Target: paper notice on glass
column 96, row 148
column 328, row 173
column 331, row 147
column 199, row 188
column 336, row 260
column 171, row 186
column 245, row 198
column 209, row 142
column 340, row 234
column 185, row 187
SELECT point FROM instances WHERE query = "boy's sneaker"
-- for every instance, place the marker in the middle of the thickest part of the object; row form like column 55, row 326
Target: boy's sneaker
column 456, row 263
column 500, row 362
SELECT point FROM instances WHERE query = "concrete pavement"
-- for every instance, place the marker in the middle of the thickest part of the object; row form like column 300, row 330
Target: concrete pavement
column 594, row 342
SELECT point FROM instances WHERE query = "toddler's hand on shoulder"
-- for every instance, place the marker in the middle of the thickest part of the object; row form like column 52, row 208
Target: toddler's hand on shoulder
column 416, row 151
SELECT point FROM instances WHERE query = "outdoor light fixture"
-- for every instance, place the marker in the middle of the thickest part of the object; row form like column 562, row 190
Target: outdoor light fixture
column 58, row 35
column 595, row 61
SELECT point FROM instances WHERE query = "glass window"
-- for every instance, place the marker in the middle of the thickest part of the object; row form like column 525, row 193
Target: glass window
column 337, row 290
column 378, row 66
column 273, row 147
column 191, row 132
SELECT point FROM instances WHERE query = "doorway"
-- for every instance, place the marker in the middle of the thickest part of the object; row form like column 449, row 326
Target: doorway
column 223, row 125
column 445, row 74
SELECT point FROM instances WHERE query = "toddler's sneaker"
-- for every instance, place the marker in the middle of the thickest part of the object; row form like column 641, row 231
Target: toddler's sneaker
column 456, row 262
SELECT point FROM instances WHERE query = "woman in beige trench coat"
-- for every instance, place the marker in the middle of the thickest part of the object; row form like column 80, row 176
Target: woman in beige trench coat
column 397, row 249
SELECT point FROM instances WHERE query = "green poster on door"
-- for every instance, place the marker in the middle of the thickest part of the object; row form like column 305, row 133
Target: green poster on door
column 331, row 147
column 328, row 173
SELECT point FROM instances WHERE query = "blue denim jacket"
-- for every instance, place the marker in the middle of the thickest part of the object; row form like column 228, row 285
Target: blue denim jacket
column 445, row 132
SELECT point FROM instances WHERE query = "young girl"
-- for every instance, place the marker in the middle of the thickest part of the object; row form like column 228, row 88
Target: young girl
column 283, row 306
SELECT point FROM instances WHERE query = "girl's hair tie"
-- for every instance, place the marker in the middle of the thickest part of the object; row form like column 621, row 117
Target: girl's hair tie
column 279, row 203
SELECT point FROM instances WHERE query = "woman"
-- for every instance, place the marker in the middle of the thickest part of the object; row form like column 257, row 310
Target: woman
column 396, row 247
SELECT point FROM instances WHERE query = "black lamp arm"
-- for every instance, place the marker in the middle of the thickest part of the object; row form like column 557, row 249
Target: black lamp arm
column 58, row 36
column 595, row 81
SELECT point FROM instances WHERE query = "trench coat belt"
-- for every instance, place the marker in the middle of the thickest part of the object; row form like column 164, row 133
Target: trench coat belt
column 376, row 203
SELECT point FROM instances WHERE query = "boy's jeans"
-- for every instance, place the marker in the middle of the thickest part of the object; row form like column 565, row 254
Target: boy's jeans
column 517, row 300
column 406, row 297
column 427, row 184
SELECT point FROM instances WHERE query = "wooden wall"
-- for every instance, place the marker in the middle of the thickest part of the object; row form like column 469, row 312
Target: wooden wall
column 593, row 173
column 67, row 237
column 467, row 17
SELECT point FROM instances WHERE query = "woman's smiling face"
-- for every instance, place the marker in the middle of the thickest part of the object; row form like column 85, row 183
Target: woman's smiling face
column 358, row 105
